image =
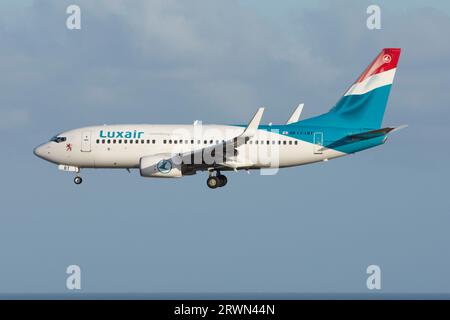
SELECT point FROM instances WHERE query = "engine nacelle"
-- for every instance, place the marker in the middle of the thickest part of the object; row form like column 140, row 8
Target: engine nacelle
column 160, row 166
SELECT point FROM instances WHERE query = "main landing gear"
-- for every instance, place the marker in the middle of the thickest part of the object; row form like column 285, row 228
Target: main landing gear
column 219, row 180
column 78, row 180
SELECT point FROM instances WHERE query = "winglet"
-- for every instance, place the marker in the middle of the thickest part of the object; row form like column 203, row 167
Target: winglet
column 296, row 114
column 253, row 124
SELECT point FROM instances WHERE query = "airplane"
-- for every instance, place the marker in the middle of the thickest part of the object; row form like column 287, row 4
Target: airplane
column 171, row 151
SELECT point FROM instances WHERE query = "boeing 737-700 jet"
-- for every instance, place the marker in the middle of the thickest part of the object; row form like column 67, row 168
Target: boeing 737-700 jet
column 172, row 151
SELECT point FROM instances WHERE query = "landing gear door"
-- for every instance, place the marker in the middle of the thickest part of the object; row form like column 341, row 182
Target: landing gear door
column 318, row 142
column 86, row 142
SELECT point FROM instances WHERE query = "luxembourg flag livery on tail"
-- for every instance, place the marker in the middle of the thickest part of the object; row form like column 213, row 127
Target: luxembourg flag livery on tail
column 353, row 124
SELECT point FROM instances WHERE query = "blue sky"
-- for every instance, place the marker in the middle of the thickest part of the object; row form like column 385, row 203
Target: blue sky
column 307, row 229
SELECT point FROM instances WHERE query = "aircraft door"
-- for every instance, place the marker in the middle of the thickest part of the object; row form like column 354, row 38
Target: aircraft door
column 86, row 141
column 318, row 142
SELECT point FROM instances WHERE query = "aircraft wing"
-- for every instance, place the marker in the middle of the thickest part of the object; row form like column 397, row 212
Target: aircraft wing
column 228, row 147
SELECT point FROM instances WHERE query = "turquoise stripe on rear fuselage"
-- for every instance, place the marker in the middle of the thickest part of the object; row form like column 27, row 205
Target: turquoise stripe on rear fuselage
column 351, row 115
column 330, row 135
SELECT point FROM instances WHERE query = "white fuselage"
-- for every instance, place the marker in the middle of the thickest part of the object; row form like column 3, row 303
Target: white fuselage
column 123, row 146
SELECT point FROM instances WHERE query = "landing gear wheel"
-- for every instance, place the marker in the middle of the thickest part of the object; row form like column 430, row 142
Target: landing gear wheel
column 78, row 180
column 213, row 182
column 223, row 180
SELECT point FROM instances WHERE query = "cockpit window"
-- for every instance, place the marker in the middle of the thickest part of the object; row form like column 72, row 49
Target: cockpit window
column 58, row 139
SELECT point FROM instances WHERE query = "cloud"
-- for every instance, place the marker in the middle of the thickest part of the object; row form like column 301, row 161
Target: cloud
column 337, row 32
column 192, row 58
column 214, row 60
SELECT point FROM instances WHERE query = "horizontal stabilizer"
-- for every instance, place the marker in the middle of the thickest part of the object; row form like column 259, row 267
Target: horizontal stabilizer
column 363, row 136
column 369, row 134
column 400, row 127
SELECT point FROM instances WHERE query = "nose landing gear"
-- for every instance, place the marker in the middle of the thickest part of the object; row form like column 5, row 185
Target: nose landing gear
column 219, row 180
column 77, row 180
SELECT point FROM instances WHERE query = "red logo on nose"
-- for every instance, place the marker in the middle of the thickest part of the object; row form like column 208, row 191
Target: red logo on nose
column 69, row 147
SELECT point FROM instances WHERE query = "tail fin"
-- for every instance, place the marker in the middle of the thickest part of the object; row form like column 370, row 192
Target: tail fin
column 363, row 105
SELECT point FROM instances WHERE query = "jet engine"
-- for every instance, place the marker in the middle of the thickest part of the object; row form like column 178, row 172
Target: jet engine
column 160, row 166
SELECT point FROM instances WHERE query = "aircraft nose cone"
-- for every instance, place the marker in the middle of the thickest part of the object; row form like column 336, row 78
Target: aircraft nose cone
column 39, row 151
